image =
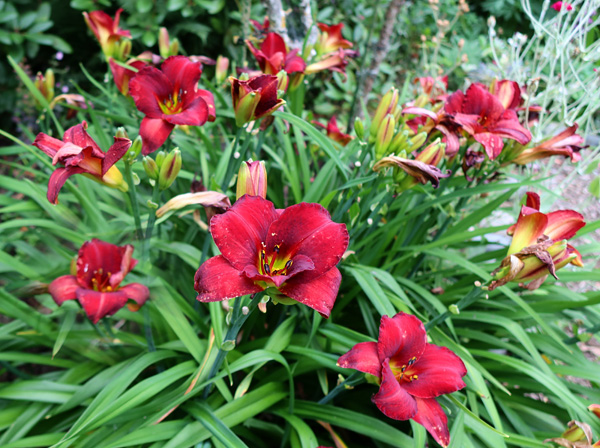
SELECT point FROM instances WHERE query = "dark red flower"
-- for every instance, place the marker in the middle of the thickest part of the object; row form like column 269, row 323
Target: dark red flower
column 483, row 116
column 254, row 98
column 294, row 251
column 440, row 121
column 106, row 29
column 81, row 155
column 333, row 132
column 273, row 56
column 411, row 372
column 170, row 97
column 101, row 267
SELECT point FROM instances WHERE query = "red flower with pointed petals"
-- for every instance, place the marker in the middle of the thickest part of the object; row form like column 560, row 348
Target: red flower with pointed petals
column 411, row 373
column 294, row 251
column 273, row 56
column 170, row 97
column 482, row 115
column 539, row 246
column 106, row 29
column 333, row 132
column 80, row 154
column 101, row 267
column 331, row 39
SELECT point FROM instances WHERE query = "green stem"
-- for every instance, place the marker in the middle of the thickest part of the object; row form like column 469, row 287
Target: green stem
column 229, row 170
column 151, row 220
column 237, row 320
column 135, row 208
column 353, row 380
column 466, row 301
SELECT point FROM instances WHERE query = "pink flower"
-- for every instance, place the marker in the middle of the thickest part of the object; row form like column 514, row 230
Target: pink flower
column 558, row 6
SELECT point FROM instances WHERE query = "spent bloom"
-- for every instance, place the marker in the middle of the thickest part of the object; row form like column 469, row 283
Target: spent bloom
column 291, row 253
column 170, row 97
column 410, row 371
column 80, row 154
column 539, row 245
column 100, row 269
column 106, row 29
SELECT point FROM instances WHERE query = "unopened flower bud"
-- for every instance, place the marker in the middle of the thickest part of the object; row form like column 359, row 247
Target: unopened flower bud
column 491, row 21
column 160, row 157
column 123, row 50
column 252, row 179
column 121, row 133
column 136, row 148
column 283, row 81
column 359, row 128
column 169, row 169
column 45, row 84
column 244, row 110
column 244, row 77
column 387, row 105
column 399, row 141
column 174, row 47
column 150, row 167
column 384, row 136
column 163, row 42
column 417, row 141
column 221, row 69
column 433, row 153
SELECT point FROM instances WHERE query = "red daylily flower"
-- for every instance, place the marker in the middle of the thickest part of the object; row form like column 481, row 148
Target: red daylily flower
column 273, row 56
column 508, row 93
column 101, row 267
column 567, row 144
column 433, row 87
column 410, row 371
column 539, row 245
column 336, row 62
column 106, row 29
column 170, row 97
column 122, row 75
column 558, row 6
column 438, row 120
column 330, row 39
column 81, row 155
column 483, row 116
column 333, row 132
column 294, row 251
column 255, row 98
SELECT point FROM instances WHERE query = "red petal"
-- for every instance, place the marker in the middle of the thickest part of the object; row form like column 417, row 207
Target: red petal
column 421, row 112
column 58, row 179
column 154, row 132
column 479, row 101
column 100, row 304
column 241, row 230
column 454, row 103
column 272, row 44
column 431, row 415
column 127, row 264
column 508, row 93
column 210, row 103
column 529, row 227
column 216, row 280
column 533, row 200
column 563, row 224
column 392, row 399
column 136, row 292
column 79, row 137
column 183, row 74
column 401, row 337
column 307, row 229
column 115, row 153
column 96, row 255
column 492, row 143
column 149, row 87
column 63, row 288
column 193, row 114
column 317, row 293
column 362, row 357
column 439, row 372
column 49, row 145
column 294, row 63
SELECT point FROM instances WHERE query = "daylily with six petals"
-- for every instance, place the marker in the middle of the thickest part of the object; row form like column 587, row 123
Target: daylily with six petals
column 539, row 245
column 293, row 251
column 80, row 154
column 482, row 115
column 273, row 56
column 170, row 97
column 410, row 371
column 101, row 267
column 106, row 29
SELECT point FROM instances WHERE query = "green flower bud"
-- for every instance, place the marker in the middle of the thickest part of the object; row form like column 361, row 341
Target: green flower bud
column 387, row 105
column 160, row 157
column 384, row 136
column 252, row 179
column 150, row 167
column 169, row 169
column 417, row 141
column 359, row 128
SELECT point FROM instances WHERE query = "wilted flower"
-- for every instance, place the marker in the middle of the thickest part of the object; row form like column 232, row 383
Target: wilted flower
column 170, row 97
column 483, row 116
column 273, row 56
column 539, row 245
column 578, row 434
column 567, row 144
column 255, row 98
column 101, row 267
column 333, row 132
column 410, row 372
column 81, row 155
column 421, row 171
column 291, row 253
column 106, row 30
